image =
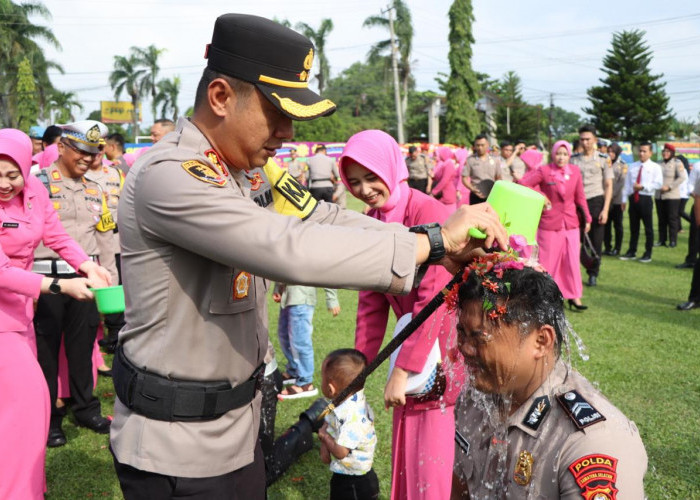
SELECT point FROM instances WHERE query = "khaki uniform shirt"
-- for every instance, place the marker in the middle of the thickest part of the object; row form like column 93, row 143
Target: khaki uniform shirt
column 78, row 203
column 619, row 169
column 566, row 462
column 517, row 167
column 295, row 168
column 110, row 181
column 419, row 168
column 674, row 175
column 488, row 169
column 595, row 170
column 321, row 169
column 197, row 245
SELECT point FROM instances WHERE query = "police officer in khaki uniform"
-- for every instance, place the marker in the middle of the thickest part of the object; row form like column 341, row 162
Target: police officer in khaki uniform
column 296, row 167
column 619, row 170
column 79, row 205
column 323, row 174
column 480, row 171
column 198, row 239
column 668, row 198
column 598, row 188
column 531, row 426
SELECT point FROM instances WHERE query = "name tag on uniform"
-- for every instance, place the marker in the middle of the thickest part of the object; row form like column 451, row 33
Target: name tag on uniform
column 12, row 225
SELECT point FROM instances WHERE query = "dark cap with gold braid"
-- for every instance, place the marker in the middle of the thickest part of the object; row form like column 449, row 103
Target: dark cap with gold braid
column 277, row 60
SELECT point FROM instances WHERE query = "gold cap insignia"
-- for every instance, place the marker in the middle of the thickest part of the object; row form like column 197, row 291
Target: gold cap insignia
column 309, row 60
column 93, row 135
column 523, row 469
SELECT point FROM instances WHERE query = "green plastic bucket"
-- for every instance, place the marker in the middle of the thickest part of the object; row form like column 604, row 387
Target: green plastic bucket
column 110, row 299
column 519, row 208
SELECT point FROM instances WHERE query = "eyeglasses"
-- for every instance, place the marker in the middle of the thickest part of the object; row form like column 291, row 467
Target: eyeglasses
column 78, row 151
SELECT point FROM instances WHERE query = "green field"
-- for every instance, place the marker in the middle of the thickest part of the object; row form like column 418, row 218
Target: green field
column 644, row 355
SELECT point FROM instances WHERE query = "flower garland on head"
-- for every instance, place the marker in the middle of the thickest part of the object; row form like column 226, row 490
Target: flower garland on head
column 489, row 269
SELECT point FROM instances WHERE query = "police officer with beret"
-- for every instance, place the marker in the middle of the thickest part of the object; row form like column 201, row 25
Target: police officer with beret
column 78, row 202
column 199, row 238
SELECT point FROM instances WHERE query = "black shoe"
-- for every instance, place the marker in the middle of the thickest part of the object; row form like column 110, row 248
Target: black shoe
column 628, row 256
column 687, row 306
column 673, row 244
column 592, row 280
column 614, row 252
column 660, row 244
column 313, row 413
column 607, row 253
column 646, row 258
column 686, row 265
column 56, row 437
column 578, row 307
column 96, row 423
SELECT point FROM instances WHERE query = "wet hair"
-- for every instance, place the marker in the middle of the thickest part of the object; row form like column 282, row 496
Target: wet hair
column 116, row 139
column 244, row 89
column 51, row 134
column 343, row 365
column 615, row 148
column 588, row 127
column 532, row 299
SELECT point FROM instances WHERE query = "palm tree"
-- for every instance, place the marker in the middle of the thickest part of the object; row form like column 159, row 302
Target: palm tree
column 18, row 39
column 318, row 37
column 60, row 106
column 403, row 30
column 130, row 78
column 168, row 92
column 148, row 58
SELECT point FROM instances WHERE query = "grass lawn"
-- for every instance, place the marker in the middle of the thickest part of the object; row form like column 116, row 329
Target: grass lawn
column 644, row 355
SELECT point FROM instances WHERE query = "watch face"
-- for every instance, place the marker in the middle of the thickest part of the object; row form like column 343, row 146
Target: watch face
column 55, row 287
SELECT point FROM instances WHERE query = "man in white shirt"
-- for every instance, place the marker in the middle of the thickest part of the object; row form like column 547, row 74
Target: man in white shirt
column 643, row 179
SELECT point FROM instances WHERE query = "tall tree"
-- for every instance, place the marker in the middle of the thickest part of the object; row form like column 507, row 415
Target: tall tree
column 61, row 106
column 462, row 86
column 26, row 103
column 129, row 77
column 148, row 58
column 631, row 103
column 318, row 37
column 403, row 30
column 515, row 118
column 168, row 93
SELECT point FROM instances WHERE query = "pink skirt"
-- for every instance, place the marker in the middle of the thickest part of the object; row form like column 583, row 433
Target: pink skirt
column 25, row 413
column 559, row 255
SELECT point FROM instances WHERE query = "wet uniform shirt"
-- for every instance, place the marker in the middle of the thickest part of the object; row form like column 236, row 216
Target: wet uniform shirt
column 595, row 170
column 589, row 450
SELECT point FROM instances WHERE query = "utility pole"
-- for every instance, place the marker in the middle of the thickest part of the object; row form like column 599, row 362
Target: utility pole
column 394, row 64
column 551, row 121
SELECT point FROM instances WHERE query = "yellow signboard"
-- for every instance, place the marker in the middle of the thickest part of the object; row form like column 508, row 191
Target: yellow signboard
column 118, row 112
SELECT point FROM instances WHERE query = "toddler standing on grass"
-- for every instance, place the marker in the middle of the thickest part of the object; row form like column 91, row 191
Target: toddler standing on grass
column 347, row 436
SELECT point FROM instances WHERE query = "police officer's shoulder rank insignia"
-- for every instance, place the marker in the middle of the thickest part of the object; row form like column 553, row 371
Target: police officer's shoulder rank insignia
column 595, row 475
column 580, row 410
column 535, row 415
column 203, row 172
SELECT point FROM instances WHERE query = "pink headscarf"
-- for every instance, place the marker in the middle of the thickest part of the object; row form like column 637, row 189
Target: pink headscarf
column 461, row 155
column 445, row 154
column 47, row 156
column 379, row 153
column 560, row 175
column 559, row 144
column 17, row 145
column 532, row 158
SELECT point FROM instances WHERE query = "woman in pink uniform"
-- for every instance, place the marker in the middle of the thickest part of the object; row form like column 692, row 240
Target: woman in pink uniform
column 444, row 189
column 26, row 218
column 375, row 172
column 558, row 235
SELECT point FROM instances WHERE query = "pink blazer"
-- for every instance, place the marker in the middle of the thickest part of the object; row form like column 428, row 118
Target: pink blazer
column 373, row 309
column 444, row 182
column 22, row 226
column 564, row 196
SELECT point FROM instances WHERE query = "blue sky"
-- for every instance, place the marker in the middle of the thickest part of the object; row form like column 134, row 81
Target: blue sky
column 556, row 47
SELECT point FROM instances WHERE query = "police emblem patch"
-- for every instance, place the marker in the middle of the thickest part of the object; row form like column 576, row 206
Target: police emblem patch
column 55, row 189
column 203, row 172
column 595, row 475
column 241, row 285
column 93, row 135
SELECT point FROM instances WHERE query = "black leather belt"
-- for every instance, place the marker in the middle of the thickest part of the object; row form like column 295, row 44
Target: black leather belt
column 162, row 398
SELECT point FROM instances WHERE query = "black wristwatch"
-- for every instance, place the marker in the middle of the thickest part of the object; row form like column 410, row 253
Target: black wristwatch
column 54, row 287
column 437, row 247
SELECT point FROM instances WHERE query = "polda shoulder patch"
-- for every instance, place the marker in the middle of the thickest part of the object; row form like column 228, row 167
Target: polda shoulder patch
column 581, row 411
column 203, row 172
column 595, row 475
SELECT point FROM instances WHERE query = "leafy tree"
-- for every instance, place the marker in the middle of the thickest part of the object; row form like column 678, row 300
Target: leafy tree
column 683, row 128
column 129, row 77
column 61, row 106
column 515, row 118
column 148, row 58
column 318, row 37
column 168, row 93
column 463, row 122
column 631, row 104
column 26, row 105
column 403, row 30
column 564, row 122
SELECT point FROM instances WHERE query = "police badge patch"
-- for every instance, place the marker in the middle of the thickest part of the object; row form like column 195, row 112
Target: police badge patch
column 203, row 172
column 595, row 475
